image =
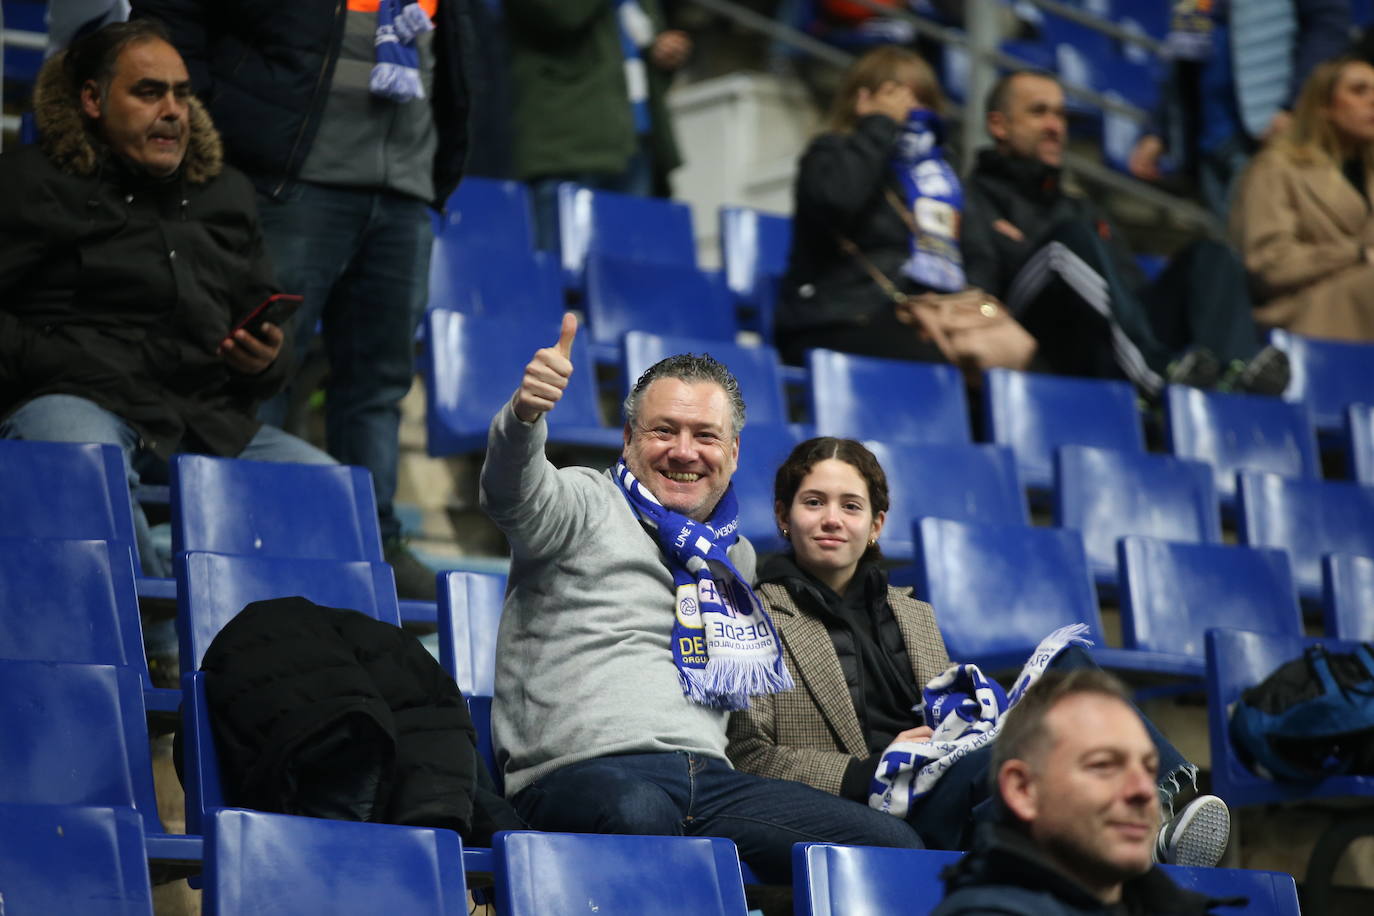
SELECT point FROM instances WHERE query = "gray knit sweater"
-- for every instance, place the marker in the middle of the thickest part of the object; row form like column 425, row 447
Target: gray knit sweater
column 584, row 665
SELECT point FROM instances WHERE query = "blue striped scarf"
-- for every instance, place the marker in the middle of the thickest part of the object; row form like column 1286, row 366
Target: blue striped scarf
column 724, row 644
column 934, row 199
column 396, row 75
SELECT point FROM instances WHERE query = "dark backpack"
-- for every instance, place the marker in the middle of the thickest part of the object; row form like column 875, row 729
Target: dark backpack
column 1313, row 717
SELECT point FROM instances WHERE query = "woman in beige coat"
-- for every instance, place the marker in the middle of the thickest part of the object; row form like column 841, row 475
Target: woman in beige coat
column 1303, row 219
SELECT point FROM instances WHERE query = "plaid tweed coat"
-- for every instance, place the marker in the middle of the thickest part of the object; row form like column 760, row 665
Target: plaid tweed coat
column 811, row 732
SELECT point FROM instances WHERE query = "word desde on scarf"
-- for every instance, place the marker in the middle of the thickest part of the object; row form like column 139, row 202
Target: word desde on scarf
column 965, row 709
column 724, row 644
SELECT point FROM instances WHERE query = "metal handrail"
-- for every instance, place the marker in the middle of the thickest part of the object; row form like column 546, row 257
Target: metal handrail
column 28, row 41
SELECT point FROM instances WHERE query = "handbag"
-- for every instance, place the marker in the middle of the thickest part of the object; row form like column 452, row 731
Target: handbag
column 971, row 328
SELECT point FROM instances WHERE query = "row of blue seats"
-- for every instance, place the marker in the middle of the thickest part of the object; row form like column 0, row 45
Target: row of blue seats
column 258, row 862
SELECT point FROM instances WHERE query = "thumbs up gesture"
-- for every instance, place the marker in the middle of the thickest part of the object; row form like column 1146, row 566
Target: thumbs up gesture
column 546, row 375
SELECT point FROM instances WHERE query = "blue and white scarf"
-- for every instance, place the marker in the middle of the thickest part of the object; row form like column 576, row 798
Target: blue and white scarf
column 396, row 75
column 934, row 199
column 966, row 711
column 724, row 644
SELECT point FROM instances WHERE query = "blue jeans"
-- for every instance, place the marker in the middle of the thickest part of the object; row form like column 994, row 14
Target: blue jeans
column 68, row 418
column 361, row 260
column 948, row 815
column 679, row 794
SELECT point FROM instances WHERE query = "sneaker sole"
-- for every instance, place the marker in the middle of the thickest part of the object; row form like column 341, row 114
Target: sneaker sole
column 1201, row 836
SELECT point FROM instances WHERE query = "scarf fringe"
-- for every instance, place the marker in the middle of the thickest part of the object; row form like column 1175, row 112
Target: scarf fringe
column 396, row 82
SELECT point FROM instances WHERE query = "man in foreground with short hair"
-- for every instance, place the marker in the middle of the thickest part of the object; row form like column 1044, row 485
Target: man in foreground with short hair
column 630, row 629
column 1074, row 769
column 1069, row 276
column 128, row 252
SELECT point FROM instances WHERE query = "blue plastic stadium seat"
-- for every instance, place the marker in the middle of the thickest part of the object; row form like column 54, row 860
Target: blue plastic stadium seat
column 757, row 369
column 1104, row 495
column 673, row 299
column 473, row 365
column 488, row 214
column 998, row 590
column 469, row 614
column 763, row 448
column 1328, row 376
column 258, row 863
column 71, row 490
column 76, row 735
column 832, row 880
column 74, row 601
column 629, row 227
column 1269, row 893
column 1359, row 425
column 494, row 282
column 1035, row 414
column 1240, row 432
column 73, row 860
column 538, row 873
column 1308, row 518
column 1237, row 660
column 1171, row 593
column 264, row 508
column 1348, row 596
column 864, row 397
column 966, row 483
column 753, row 252
column 212, row 588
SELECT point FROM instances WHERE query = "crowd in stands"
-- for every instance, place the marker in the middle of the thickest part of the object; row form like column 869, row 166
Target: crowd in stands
column 653, row 674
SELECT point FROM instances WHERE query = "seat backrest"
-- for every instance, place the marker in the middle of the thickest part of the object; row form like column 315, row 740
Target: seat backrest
column 757, row 369
column 539, row 873
column 1359, row 428
column 490, row 214
column 1035, row 414
column 865, row 397
column 1000, row 589
column 753, row 247
column 1240, row 432
column 274, row 509
column 1308, row 518
column 763, row 449
column 1326, row 375
column 836, row 880
column 75, row 735
column 469, row 615
column 472, row 365
column 74, row 860
column 630, row 227
column 494, row 281
column 1348, row 596
column 966, row 483
column 1172, row 593
column 212, row 588
column 70, row 601
column 1105, row 495
column 65, row 490
column 625, row 295
column 256, row 862
column 1269, row 893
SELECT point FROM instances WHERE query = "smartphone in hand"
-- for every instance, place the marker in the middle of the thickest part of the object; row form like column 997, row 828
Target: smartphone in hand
column 275, row 309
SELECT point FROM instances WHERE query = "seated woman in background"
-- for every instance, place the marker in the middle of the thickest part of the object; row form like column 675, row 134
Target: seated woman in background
column 1303, row 218
column 877, row 213
column 860, row 652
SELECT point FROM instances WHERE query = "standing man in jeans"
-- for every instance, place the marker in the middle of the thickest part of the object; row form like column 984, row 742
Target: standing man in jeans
column 351, row 119
column 630, row 629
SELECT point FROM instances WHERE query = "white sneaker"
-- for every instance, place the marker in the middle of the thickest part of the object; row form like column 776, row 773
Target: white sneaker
column 1197, row 835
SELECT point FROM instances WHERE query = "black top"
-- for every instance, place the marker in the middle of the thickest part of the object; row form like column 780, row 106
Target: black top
column 871, row 651
column 1354, row 172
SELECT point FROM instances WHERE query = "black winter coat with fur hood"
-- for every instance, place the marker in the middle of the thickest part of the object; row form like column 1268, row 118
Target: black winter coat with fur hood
column 118, row 287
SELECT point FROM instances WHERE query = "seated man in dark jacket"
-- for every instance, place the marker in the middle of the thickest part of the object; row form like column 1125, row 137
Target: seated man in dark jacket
column 128, row 252
column 1075, row 771
column 1067, row 274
